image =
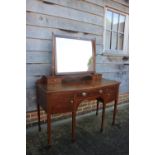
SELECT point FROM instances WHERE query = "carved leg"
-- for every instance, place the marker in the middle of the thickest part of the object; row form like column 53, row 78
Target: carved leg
column 38, row 109
column 97, row 107
column 73, row 125
column 103, row 115
column 49, row 128
column 114, row 112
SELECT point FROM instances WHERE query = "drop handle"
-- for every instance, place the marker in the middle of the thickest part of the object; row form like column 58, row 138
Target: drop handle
column 100, row 91
column 84, row 94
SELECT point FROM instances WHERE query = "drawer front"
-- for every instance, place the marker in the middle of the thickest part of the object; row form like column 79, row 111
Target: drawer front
column 61, row 102
column 109, row 89
column 108, row 97
column 87, row 94
column 109, row 93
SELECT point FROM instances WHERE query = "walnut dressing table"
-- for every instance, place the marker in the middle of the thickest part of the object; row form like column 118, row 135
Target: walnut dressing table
column 61, row 92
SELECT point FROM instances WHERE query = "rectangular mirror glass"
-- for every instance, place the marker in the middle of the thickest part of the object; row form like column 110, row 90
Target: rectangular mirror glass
column 73, row 56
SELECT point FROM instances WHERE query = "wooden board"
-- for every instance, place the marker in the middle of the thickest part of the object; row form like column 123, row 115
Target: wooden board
column 46, row 45
column 62, row 23
column 122, row 76
column 78, row 5
column 123, row 2
column 111, row 59
column 30, row 81
column 30, row 100
column 38, row 69
column 60, row 11
column 110, row 3
column 38, row 45
column 111, row 67
column 36, row 32
column 38, row 57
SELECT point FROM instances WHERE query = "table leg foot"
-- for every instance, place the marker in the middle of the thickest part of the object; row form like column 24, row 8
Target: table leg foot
column 73, row 140
column 101, row 130
column 48, row 147
column 39, row 129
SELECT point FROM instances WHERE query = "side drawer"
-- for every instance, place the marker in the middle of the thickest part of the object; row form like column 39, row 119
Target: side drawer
column 60, row 102
column 109, row 93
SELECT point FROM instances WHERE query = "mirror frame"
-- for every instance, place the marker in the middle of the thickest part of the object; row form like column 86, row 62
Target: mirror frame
column 54, row 64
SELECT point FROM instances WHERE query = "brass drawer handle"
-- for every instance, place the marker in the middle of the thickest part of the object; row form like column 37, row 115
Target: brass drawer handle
column 84, row 94
column 100, row 91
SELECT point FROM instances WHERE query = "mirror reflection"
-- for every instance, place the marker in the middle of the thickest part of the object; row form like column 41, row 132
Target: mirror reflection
column 73, row 55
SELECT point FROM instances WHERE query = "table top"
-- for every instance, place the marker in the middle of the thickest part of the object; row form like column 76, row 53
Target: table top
column 75, row 86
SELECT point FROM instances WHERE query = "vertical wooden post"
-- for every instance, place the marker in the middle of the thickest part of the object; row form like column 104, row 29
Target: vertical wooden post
column 103, row 115
column 49, row 127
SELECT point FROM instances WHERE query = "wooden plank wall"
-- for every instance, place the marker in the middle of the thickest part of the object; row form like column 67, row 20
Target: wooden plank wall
column 80, row 18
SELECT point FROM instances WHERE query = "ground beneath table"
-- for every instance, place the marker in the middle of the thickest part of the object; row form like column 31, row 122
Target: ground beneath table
column 113, row 141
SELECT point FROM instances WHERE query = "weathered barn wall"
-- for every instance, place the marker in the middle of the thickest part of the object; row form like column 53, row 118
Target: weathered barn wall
column 83, row 18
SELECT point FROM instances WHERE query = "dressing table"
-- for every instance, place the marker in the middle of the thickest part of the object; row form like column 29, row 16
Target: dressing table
column 73, row 80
